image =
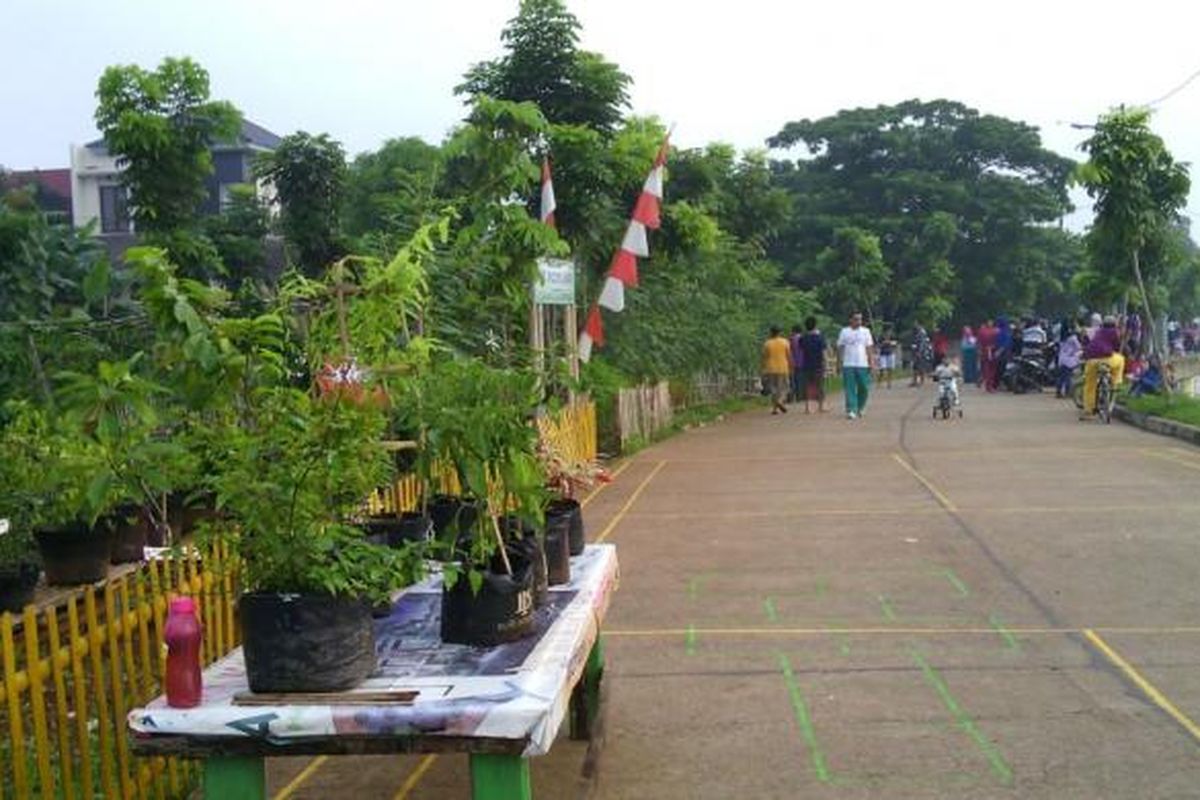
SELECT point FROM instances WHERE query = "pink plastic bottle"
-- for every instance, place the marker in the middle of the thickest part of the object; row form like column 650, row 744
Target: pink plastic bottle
column 182, row 634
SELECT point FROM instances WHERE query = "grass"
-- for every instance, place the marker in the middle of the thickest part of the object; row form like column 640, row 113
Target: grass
column 1177, row 407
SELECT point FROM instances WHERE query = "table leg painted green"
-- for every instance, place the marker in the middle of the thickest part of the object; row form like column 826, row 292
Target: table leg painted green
column 500, row 777
column 235, row 779
column 585, row 698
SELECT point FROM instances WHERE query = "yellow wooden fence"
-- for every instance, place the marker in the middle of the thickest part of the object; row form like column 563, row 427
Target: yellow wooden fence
column 72, row 670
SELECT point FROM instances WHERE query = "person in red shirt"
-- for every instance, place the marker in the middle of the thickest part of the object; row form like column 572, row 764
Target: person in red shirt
column 988, row 356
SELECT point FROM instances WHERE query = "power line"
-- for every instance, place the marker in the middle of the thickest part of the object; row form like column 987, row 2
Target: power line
column 1174, row 91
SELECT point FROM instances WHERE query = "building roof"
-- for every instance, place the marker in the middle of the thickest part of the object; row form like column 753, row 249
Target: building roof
column 54, row 181
column 251, row 134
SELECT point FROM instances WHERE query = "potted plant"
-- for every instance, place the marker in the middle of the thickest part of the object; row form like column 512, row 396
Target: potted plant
column 119, row 414
column 20, row 567
column 565, row 479
column 475, row 423
column 49, row 488
column 290, row 479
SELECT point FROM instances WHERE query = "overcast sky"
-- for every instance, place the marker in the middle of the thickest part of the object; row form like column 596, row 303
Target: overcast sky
column 367, row 70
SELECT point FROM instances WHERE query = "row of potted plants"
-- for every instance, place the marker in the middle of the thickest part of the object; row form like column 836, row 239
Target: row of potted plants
column 278, row 424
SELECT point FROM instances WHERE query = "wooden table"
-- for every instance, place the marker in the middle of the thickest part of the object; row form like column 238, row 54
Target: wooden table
column 500, row 705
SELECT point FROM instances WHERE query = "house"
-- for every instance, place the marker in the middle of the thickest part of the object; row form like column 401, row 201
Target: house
column 96, row 191
column 51, row 188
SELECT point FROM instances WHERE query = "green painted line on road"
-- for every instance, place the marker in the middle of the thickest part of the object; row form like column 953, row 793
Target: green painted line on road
column 889, row 613
column 1010, row 641
column 769, row 607
column 842, row 637
column 999, row 766
column 694, row 587
column 954, row 579
column 822, row 586
column 800, row 709
column 689, row 642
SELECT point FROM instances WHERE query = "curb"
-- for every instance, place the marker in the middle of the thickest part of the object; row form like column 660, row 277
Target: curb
column 1159, row 425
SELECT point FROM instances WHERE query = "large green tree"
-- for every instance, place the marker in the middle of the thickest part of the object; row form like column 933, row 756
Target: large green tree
column 160, row 124
column 958, row 199
column 1138, row 189
column 309, row 175
column 543, row 65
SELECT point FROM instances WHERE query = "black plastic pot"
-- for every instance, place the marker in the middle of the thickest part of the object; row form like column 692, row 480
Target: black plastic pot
column 306, row 642
column 17, row 584
column 501, row 612
column 574, row 514
column 529, row 549
column 452, row 516
column 396, row 531
column 75, row 553
column 131, row 526
column 557, row 545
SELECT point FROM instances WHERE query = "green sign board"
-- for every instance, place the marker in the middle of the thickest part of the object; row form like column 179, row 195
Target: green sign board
column 557, row 284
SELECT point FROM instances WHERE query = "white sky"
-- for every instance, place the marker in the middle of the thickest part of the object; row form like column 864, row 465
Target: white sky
column 367, row 70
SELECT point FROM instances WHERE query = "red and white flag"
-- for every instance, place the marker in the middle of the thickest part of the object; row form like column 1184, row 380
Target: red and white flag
column 623, row 270
column 548, row 204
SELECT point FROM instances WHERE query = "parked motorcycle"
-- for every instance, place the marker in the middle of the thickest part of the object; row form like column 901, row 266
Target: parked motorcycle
column 1027, row 373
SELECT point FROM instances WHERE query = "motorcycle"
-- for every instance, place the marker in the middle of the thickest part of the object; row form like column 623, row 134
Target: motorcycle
column 1027, row 372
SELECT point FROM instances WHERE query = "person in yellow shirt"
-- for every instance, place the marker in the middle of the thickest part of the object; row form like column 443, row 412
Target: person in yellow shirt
column 776, row 369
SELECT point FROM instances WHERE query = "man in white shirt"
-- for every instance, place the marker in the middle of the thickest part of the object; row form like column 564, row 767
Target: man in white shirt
column 856, row 350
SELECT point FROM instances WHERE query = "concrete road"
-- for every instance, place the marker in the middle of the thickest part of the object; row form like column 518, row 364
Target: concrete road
column 999, row 607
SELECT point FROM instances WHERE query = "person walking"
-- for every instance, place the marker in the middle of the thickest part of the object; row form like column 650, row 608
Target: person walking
column 887, row 357
column 1004, row 345
column 987, row 355
column 922, row 355
column 797, row 359
column 812, row 371
column 1070, row 351
column 969, row 352
column 855, row 348
column 776, row 368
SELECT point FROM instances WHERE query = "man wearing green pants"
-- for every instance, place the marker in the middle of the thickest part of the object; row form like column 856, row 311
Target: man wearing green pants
column 855, row 347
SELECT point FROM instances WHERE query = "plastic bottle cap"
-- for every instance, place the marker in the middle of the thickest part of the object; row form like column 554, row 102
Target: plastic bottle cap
column 183, row 605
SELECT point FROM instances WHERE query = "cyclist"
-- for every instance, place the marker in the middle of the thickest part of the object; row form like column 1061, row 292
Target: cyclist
column 1103, row 348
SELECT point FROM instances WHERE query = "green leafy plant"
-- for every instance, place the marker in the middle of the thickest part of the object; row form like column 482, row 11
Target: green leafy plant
column 291, row 479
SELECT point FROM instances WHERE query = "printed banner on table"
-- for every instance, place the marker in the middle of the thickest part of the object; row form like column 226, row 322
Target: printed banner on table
column 519, row 690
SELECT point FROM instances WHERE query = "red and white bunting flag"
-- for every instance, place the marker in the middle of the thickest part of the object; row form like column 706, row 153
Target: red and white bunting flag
column 548, row 204
column 612, row 296
column 623, row 271
column 635, row 240
column 593, row 333
column 624, row 268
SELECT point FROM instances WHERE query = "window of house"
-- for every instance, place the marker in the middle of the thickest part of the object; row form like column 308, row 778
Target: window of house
column 114, row 210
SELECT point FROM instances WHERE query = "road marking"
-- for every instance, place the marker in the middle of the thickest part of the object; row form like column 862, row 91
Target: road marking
column 894, row 631
column 956, row 581
column 411, row 782
column 629, row 503
column 611, row 479
column 1157, row 697
column 1010, row 641
column 689, row 642
column 889, row 613
column 769, row 607
column 1174, row 459
column 800, row 710
column 909, row 512
column 946, row 502
column 995, row 758
column 305, row 774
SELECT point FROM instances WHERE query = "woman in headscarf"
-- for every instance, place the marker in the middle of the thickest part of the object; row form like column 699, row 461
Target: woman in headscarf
column 987, row 355
column 970, row 356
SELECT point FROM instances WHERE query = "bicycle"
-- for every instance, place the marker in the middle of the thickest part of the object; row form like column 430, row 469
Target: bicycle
column 1106, row 394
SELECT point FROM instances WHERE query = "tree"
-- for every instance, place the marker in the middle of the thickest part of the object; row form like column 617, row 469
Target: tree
column 392, row 191
column 857, row 278
column 309, row 174
column 957, row 199
column 160, row 126
column 238, row 233
column 1138, row 189
column 543, row 66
